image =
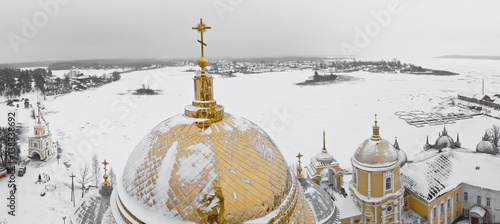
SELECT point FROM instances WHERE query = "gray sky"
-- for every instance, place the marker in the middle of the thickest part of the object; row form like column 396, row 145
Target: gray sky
column 162, row 29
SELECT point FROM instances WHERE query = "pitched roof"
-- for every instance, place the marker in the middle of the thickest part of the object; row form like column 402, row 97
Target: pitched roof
column 434, row 173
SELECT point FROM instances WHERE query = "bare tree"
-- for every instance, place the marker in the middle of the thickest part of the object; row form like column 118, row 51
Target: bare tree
column 85, row 176
column 96, row 169
column 112, row 176
column 494, row 135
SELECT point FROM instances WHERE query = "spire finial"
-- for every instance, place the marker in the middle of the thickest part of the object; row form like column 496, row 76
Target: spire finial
column 427, row 142
column 39, row 112
column 396, row 144
column 205, row 107
column 299, row 169
column 106, row 183
column 486, row 137
column 324, row 145
column 376, row 131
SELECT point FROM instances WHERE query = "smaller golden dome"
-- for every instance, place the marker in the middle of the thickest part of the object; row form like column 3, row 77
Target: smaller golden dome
column 202, row 62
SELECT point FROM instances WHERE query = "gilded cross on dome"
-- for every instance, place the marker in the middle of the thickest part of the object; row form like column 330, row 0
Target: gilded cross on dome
column 202, row 27
column 105, row 176
column 299, row 169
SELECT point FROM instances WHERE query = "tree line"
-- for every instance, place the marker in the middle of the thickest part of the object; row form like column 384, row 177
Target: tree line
column 15, row 82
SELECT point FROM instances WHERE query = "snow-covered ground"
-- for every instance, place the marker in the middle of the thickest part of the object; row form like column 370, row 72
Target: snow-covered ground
column 109, row 121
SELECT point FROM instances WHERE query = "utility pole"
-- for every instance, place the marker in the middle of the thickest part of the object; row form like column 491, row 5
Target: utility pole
column 72, row 189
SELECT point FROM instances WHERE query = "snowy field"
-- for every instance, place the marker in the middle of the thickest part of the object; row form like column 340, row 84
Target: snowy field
column 109, row 121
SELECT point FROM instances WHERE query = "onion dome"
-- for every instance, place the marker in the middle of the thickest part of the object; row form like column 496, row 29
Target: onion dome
column 96, row 203
column 208, row 166
column 324, row 156
column 376, row 151
column 324, row 208
column 444, row 141
column 485, row 146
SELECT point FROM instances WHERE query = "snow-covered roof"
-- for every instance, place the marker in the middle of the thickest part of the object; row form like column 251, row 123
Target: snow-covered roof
column 478, row 210
column 467, row 94
column 324, row 156
column 434, row 173
column 348, row 208
column 379, row 153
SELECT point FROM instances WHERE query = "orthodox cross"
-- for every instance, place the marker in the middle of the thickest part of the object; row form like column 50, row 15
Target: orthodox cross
column 299, row 156
column 106, row 183
column 299, row 169
column 105, row 164
column 202, row 27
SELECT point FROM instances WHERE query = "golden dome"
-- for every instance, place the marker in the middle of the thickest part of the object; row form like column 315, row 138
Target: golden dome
column 207, row 166
column 376, row 151
column 182, row 170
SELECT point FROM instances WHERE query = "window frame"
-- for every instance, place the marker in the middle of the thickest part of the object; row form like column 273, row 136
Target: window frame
column 478, row 200
column 388, row 183
column 441, row 207
column 466, row 196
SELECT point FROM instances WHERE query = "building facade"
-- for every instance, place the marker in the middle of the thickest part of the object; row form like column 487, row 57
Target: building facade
column 40, row 144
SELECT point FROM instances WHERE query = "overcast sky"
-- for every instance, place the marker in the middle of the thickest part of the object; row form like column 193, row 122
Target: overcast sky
column 93, row 29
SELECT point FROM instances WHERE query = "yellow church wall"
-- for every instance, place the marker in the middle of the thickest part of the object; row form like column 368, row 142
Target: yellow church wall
column 396, row 179
column 419, row 206
column 371, row 206
column 339, row 181
column 377, row 186
column 362, row 182
column 425, row 209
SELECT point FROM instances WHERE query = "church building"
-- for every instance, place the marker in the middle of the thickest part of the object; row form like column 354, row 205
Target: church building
column 40, row 144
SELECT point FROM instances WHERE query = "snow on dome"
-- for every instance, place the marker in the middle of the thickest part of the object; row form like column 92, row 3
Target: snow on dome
column 324, row 156
column 92, row 207
column 379, row 152
column 182, row 171
column 444, row 141
column 323, row 207
column 402, row 157
column 485, row 147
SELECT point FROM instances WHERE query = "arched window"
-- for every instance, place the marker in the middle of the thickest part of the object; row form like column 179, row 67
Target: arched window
column 35, row 144
column 36, row 132
column 355, row 177
column 388, row 183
